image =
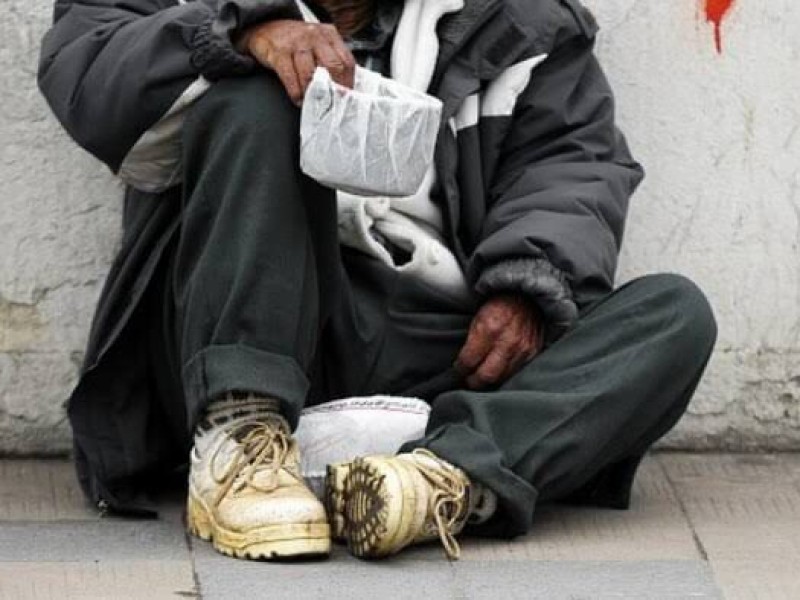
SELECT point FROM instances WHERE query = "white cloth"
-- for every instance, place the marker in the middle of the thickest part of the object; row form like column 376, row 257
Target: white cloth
column 413, row 223
column 342, row 430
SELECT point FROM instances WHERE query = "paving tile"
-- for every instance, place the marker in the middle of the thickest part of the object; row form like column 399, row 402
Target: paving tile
column 729, row 487
column 732, row 468
column 106, row 558
column 402, row 577
column 745, row 511
column 595, row 580
column 341, row 576
column 757, row 580
column 92, row 541
column 654, row 528
column 35, row 490
column 104, row 580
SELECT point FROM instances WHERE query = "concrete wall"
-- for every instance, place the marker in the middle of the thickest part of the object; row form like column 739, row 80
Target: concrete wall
column 720, row 136
column 59, row 217
column 718, row 132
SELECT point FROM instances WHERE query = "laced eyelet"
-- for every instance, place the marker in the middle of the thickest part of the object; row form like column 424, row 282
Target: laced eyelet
column 263, row 448
column 448, row 502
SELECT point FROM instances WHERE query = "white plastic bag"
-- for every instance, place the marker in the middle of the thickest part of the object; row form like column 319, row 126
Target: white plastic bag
column 343, row 430
column 374, row 140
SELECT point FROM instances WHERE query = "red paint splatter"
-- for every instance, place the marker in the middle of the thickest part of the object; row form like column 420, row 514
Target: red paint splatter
column 715, row 13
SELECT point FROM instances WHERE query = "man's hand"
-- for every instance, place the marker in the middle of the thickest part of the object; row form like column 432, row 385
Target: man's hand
column 293, row 49
column 506, row 332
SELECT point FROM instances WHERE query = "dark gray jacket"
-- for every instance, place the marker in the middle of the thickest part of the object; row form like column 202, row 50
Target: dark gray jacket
column 533, row 177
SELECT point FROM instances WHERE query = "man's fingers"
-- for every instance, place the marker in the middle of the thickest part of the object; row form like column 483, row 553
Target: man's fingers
column 344, row 54
column 522, row 355
column 284, row 67
column 475, row 349
column 492, row 370
column 505, row 333
column 522, row 348
column 304, row 66
column 327, row 57
column 293, row 49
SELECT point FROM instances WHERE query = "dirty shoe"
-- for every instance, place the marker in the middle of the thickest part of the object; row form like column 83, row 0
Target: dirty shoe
column 246, row 494
column 335, row 476
column 381, row 504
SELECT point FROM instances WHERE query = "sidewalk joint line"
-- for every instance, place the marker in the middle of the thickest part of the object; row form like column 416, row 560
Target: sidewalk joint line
column 698, row 543
column 198, row 593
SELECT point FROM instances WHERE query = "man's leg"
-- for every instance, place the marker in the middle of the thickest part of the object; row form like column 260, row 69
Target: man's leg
column 257, row 263
column 598, row 397
column 254, row 274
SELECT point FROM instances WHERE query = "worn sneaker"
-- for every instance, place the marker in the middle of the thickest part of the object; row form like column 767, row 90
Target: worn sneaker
column 333, row 497
column 246, row 494
column 380, row 504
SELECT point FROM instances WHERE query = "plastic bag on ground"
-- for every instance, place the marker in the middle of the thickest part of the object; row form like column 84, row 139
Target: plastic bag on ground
column 343, row 430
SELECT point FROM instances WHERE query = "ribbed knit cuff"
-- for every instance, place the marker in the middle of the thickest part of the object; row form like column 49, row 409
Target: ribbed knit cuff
column 539, row 280
column 214, row 54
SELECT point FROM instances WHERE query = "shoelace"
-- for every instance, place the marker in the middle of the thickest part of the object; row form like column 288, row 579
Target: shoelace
column 448, row 500
column 265, row 446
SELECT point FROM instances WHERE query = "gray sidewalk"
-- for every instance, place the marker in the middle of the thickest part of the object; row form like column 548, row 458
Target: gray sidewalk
column 701, row 526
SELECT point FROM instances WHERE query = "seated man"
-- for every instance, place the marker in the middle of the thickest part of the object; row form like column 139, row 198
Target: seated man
column 238, row 296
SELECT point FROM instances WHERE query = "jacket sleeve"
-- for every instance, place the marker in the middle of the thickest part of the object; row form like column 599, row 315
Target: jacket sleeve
column 560, row 194
column 112, row 70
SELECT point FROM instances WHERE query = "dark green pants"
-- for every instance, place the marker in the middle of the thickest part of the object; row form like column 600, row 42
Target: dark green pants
column 259, row 296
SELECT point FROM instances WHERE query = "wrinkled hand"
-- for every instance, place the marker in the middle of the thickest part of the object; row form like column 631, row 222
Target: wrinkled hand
column 293, row 49
column 506, row 332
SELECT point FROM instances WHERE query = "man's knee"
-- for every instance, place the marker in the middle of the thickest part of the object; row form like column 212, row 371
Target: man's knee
column 690, row 314
column 247, row 108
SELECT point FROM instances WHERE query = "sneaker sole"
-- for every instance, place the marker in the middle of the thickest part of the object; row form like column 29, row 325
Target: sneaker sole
column 264, row 543
column 371, row 527
column 333, row 499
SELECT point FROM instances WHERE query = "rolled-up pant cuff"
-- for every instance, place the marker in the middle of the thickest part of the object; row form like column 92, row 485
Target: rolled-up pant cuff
column 217, row 370
column 482, row 460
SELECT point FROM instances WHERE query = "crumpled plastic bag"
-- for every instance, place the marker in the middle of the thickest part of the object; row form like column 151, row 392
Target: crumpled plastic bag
column 374, row 140
column 342, row 430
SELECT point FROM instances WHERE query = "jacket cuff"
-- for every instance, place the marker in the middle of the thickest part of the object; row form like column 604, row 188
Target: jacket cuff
column 213, row 52
column 539, row 280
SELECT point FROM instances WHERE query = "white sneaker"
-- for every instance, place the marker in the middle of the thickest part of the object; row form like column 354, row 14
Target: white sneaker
column 246, row 493
column 380, row 504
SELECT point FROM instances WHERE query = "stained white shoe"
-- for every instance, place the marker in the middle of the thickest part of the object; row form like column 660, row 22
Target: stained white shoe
column 246, row 493
column 379, row 505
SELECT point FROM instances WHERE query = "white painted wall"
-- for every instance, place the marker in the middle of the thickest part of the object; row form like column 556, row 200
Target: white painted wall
column 719, row 135
column 58, row 227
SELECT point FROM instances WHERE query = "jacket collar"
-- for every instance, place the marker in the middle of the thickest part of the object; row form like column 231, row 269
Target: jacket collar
column 465, row 59
column 456, row 28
